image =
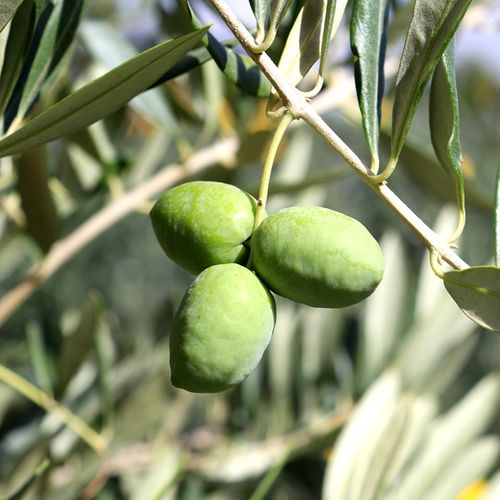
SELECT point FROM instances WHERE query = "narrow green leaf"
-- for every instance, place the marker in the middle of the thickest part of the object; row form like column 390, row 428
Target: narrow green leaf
column 477, row 292
column 260, row 9
column 368, row 33
column 110, row 48
column 496, row 230
column 433, row 24
column 42, row 221
column 445, row 125
column 100, row 97
column 7, row 11
column 239, row 69
column 303, row 45
column 54, row 34
column 15, row 50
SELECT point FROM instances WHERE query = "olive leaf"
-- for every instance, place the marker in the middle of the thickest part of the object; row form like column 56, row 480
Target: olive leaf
column 431, row 27
column 110, row 48
column 21, row 35
column 303, row 45
column 260, row 9
column 445, row 126
column 53, row 35
column 100, row 97
column 331, row 7
column 476, row 290
column 239, row 69
column 368, row 40
column 7, row 11
column 15, row 50
column 496, row 229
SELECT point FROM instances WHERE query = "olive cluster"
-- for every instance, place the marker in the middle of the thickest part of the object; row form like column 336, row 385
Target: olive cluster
column 311, row 255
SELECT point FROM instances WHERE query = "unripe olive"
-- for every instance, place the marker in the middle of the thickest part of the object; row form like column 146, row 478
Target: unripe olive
column 221, row 329
column 199, row 224
column 317, row 256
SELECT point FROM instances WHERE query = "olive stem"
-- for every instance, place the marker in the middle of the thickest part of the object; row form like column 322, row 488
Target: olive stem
column 299, row 107
column 268, row 167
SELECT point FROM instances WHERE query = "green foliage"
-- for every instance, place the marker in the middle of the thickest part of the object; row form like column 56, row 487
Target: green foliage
column 477, row 291
column 396, row 396
column 368, row 33
column 431, row 28
column 100, row 97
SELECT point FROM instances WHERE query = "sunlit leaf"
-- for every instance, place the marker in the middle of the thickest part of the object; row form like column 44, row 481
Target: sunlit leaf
column 7, row 11
column 448, row 436
column 54, row 33
column 303, row 45
column 432, row 26
column 100, row 97
column 368, row 39
column 476, row 290
column 474, row 462
column 445, row 126
column 110, row 48
column 302, row 48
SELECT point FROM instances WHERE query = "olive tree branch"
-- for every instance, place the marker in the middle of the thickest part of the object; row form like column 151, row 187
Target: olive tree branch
column 300, row 108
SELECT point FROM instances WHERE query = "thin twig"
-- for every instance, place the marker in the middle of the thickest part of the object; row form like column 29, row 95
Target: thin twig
column 299, row 107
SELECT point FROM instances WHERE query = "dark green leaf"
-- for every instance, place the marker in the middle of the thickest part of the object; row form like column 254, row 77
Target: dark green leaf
column 497, row 219
column 192, row 60
column 42, row 221
column 7, row 11
column 239, row 69
column 100, row 97
column 444, row 123
column 15, row 50
column 432, row 26
column 368, row 33
column 477, row 292
column 53, row 35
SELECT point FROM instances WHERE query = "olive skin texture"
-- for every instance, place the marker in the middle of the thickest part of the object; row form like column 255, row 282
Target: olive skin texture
column 317, row 257
column 221, row 329
column 202, row 223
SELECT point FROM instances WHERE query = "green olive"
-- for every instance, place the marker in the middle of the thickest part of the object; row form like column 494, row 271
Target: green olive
column 221, row 329
column 317, row 256
column 199, row 224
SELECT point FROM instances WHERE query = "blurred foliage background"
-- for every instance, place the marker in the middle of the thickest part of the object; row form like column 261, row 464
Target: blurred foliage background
column 393, row 398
